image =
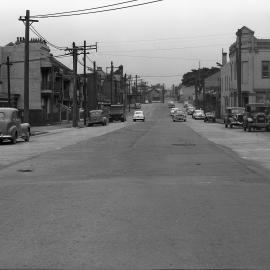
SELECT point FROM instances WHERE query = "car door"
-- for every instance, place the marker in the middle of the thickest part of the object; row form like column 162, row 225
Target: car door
column 17, row 122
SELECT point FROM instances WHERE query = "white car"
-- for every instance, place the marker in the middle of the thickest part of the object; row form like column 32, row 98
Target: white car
column 138, row 115
column 173, row 110
column 198, row 114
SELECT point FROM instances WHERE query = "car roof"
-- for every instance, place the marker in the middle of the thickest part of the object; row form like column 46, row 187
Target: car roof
column 138, row 112
column 8, row 109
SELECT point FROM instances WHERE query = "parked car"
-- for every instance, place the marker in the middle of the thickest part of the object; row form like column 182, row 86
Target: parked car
column 210, row 117
column 190, row 110
column 234, row 116
column 117, row 113
column 137, row 106
column 97, row 117
column 171, row 104
column 138, row 115
column 173, row 110
column 11, row 127
column 198, row 114
column 179, row 115
column 256, row 116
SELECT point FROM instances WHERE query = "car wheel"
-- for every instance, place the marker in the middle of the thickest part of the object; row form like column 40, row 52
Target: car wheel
column 245, row 128
column 27, row 136
column 14, row 138
column 173, row 120
column 226, row 125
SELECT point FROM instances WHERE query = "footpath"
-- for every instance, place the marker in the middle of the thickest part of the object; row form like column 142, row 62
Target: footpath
column 63, row 126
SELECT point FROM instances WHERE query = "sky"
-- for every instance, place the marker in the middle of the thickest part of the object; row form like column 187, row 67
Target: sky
column 158, row 42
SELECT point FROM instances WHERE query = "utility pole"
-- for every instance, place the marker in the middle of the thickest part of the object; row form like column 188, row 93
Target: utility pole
column 27, row 21
column 238, row 60
column 74, row 114
column 163, row 93
column 199, row 80
column 8, row 80
column 111, row 82
column 125, row 93
column 95, row 81
column 136, row 86
column 84, row 85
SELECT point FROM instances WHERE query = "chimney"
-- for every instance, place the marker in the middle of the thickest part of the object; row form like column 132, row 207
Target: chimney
column 224, row 58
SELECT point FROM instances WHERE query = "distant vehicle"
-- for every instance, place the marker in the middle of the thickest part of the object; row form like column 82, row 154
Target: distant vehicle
column 11, row 127
column 171, row 104
column 190, row 110
column 173, row 110
column 137, row 106
column 179, row 115
column 234, row 116
column 257, row 116
column 198, row 114
column 146, row 101
column 117, row 113
column 210, row 117
column 97, row 117
column 138, row 115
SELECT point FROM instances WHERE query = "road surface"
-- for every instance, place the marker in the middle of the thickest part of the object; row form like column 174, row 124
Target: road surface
column 155, row 195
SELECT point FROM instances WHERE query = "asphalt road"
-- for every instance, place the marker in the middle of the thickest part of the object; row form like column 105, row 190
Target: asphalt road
column 153, row 195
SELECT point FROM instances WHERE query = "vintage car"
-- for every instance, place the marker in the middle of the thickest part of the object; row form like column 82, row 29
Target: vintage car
column 190, row 109
column 97, row 117
column 198, row 114
column 11, row 127
column 179, row 115
column 171, row 104
column 257, row 116
column 210, row 117
column 137, row 106
column 173, row 110
column 138, row 115
column 234, row 116
column 117, row 113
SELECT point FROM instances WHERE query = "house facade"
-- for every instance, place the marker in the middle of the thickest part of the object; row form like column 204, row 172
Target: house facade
column 255, row 71
column 50, row 82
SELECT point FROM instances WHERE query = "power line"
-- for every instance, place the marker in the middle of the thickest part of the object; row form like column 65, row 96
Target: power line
column 168, row 49
column 80, row 10
column 158, row 57
column 40, row 36
column 89, row 59
column 99, row 11
column 165, row 39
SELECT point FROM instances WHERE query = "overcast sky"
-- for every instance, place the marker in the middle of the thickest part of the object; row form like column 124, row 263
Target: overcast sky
column 164, row 40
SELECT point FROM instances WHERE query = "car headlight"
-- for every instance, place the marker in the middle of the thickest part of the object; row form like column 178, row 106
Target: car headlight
column 250, row 120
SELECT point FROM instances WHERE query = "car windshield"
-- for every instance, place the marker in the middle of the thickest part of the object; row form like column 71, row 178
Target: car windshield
column 2, row 116
column 95, row 113
column 138, row 112
column 237, row 110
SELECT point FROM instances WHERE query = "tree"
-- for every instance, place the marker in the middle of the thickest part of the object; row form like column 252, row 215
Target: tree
column 192, row 76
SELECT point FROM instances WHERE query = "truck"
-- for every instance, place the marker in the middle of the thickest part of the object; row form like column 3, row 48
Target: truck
column 117, row 113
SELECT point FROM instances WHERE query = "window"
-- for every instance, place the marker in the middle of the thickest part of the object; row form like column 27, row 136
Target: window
column 265, row 69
